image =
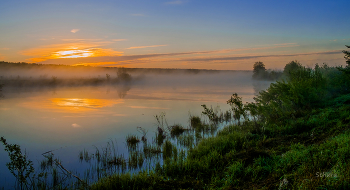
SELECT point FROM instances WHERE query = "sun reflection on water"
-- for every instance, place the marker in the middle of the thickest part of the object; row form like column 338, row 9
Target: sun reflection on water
column 82, row 104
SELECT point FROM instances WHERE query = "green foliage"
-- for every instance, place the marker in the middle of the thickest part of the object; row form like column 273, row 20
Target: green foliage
column 176, row 130
column 305, row 89
column 211, row 113
column 259, row 70
column 237, row 107
column 346, row 70
column 162, row 125
column 291, row 67
column 195, row 121
column 167, row 149
column 132, row 141
column 347, row 58
column 19, row 166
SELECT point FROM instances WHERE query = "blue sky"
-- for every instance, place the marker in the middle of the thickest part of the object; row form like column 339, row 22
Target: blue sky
column 174, row 34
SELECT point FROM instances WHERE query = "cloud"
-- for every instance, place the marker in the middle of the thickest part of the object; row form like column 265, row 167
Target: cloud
column 231, row 58
column 74, row 30
column 49, row 52
column 137, row 47
column 4, row 48
column 78, row 46
column 174, row 2
column 121, row 60
column 75, row 125
column 125, row 58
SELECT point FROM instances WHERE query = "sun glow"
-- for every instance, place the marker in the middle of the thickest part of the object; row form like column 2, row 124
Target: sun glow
column 69, row 51
column 73, row 53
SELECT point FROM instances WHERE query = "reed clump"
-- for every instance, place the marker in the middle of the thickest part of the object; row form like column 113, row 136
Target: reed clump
column 132, row 141
column 176, row 130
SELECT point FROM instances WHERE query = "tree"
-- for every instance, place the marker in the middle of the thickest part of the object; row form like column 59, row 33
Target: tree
column 259, row 70
column 347, row 56
column 291, row 67
column 122, row 75
column 346, row 70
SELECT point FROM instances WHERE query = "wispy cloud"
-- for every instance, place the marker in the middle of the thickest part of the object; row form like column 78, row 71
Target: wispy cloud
column 213, row 56
column 137, row 47
column 174, row 2
column 231, row 58
column 43, row 53
column 4, row 48
column 116, row 59
column 74, row 30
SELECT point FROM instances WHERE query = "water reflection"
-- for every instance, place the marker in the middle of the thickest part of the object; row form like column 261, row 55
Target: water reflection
column 68, row 105
column 259, row 86
column 1, row 85
column 76, row 102
column 122, row 90
column 46, row 118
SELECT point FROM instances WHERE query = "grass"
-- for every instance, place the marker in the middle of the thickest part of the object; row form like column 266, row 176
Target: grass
column 132, row 141
column 176, row 130
column 299, row 142
column 279, row 158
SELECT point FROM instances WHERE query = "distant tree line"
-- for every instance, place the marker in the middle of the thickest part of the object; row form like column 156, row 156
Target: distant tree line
column 261, row 73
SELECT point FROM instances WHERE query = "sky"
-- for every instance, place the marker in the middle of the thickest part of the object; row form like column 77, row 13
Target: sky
column 198, row 34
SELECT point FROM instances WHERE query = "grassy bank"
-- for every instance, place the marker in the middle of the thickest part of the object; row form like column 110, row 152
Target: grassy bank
column 294, row 136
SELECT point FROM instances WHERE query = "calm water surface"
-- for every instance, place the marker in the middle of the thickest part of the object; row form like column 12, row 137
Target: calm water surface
column 68, row 120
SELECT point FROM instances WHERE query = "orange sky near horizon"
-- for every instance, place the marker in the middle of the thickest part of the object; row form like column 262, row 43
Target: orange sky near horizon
column 85, row 52
column 173, row 34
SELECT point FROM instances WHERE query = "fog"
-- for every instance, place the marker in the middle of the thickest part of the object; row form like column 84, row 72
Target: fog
column 16, row 78
column 46, row 107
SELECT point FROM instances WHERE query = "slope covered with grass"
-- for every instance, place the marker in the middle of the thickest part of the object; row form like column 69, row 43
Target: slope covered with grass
column 294, row 136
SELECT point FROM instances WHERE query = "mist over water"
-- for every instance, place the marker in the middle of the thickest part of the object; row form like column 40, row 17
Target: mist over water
column 68, row 119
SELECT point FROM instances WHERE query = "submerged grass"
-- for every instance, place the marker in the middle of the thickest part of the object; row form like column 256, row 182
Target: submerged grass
column 176, row 130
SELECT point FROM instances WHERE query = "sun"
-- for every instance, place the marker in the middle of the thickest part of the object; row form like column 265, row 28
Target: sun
column 73, row 53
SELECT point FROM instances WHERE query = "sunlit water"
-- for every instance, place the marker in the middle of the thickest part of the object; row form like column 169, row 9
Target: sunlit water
column 68, row 120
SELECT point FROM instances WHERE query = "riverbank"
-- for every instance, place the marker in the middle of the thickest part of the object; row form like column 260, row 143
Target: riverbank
column 297, row 137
